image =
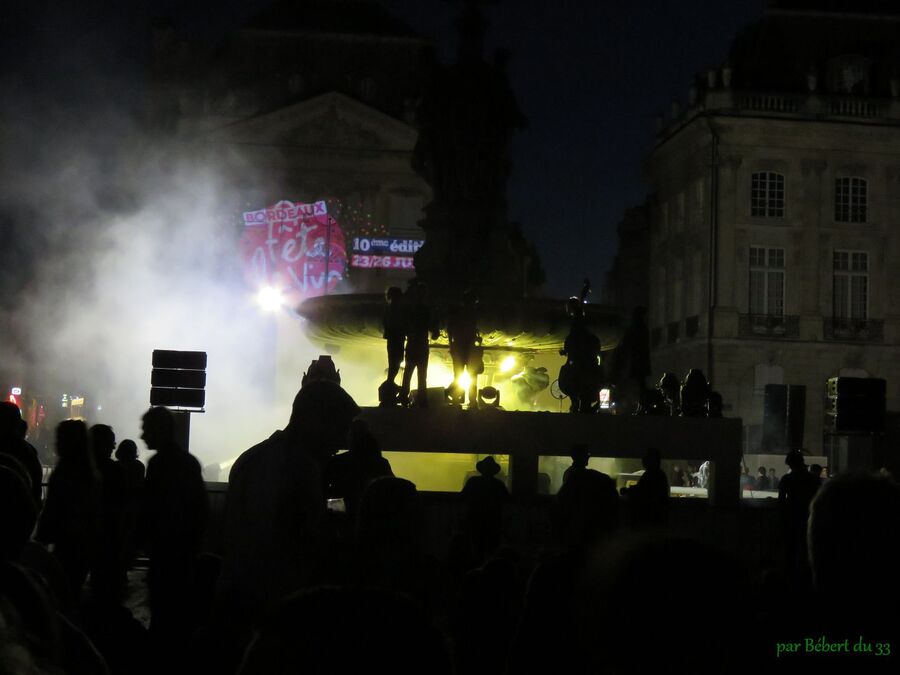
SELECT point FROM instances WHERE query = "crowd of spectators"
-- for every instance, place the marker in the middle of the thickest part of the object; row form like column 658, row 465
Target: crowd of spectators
column 323, row 567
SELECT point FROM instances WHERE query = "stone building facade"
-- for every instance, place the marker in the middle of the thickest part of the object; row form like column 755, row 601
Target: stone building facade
column 307, row 101
column 774, row 255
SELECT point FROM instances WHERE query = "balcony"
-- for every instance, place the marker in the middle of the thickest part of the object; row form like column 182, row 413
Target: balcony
column 855, row 330
column 768, row 326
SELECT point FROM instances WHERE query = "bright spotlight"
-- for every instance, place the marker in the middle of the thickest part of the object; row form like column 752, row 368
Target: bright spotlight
column 464, row 380
column 270, row 298
column 507, row 364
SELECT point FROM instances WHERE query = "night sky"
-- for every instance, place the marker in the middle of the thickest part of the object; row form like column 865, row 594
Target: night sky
column 590, row 76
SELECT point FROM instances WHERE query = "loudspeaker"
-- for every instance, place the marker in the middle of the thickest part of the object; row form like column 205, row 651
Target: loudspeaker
column 857, row 404
column 784, row 414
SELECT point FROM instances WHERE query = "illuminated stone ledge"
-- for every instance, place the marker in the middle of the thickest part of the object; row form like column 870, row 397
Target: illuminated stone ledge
column 525, row 436
column 525, row 325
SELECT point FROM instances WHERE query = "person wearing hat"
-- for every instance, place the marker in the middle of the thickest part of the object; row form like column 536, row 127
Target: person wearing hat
column 276, row 503
column 484, row 496
column 580, row 456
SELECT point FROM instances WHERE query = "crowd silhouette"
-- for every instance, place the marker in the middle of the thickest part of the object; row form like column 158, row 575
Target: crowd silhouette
column 324, row 565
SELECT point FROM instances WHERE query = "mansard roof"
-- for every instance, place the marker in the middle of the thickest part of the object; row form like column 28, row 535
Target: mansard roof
column 779, row 52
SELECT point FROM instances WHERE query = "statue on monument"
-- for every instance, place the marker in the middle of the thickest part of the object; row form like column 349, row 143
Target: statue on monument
column 466, row 121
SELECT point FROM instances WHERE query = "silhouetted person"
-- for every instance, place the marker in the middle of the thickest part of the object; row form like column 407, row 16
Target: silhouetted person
column 671, row 390
column 462, row 331
column 12, row 444
column 394, row 333
column 390, row 528
column 132, row 470
column 746, row 481
column 815, row 470
column 678, row 476
column 174, row 516
column 632, row 362
column 421, row 323
column 694, row 394
column 106, row 576
column 579, row 377
column 346, row 631
column 71, row 520
column 585, row 514
column 19, row 513
column 580, row 456
column 762, row 480
column 773, row 478
column 795, row 491
column 854, row 526
column 348, row 474
column 650, row 497
column 276, row 504
column 484, row 496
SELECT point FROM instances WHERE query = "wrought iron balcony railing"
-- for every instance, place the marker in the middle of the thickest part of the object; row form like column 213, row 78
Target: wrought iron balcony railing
column 861, row 330
column 768, row 326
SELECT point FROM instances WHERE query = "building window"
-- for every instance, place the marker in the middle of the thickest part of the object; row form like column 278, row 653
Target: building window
column 767, row 195
column 767, row 281
column 851, row 199
column 851, row 285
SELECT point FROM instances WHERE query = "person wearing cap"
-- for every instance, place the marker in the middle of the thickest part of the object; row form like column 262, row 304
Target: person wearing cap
column 276, row 502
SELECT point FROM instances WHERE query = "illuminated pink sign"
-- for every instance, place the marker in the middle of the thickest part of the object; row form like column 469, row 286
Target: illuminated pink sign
column 288, row 246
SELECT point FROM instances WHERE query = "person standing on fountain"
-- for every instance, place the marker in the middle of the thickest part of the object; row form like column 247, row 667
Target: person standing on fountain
column 579, row 377
column 462, row 331
column 394, row 325
column 420, row 323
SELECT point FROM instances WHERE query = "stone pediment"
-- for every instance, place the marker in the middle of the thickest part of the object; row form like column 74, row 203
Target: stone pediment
column 328, row 121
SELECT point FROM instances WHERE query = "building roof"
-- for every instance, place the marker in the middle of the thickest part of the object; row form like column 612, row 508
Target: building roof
column 350, row 17
column 778, row 52
column 878, row 7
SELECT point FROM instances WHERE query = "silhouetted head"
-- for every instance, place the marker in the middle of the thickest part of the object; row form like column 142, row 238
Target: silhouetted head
column 795, row 460
column 580, row 454
column 103, row 441
column 10, row 416
column 816, row 470
column 393, row 293
column 320, row 418
column 651, row 459
column 72, row 443
column 488, row 466
column 854, row 524
column 127, row 450
column 771, row 471
column 390, row 517
column 762, row 471
column 587, row 508
column 669, row 386
column 158, row 428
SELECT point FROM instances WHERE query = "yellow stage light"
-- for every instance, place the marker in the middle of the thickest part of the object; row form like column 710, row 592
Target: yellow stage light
column 507, row 364
column 464, row 380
